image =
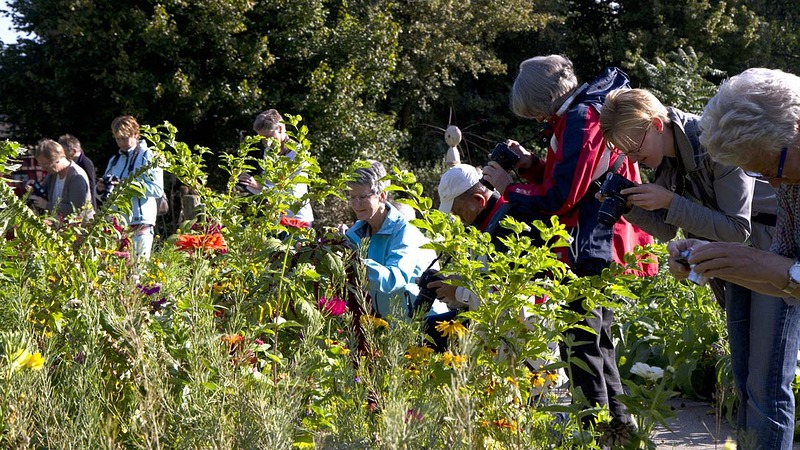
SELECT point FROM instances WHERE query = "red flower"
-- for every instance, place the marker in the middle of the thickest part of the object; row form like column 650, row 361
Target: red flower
column 294, row 223
column 334, row 306
column 191, row 242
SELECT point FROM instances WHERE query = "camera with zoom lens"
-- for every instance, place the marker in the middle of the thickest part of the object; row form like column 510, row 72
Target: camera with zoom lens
column 109, row 180
column 694, row 277
column 426, row 296
column 615, row 204
column 505, row 157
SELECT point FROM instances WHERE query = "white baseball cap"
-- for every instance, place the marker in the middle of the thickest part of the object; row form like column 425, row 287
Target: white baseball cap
column 457, row 180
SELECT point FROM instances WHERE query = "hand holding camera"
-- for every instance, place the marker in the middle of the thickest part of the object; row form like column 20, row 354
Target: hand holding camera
column 501, row 161
column 105, row 186
column 247, row 185
column 615, row 203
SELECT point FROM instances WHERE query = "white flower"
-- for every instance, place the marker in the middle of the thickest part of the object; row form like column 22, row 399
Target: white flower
column 647, row 372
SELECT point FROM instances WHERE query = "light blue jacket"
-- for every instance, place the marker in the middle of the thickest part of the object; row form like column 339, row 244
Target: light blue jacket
column 145, row 209
column 394, row 259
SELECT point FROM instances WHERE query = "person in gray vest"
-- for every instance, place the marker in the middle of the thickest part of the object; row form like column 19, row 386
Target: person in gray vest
column 716, row 202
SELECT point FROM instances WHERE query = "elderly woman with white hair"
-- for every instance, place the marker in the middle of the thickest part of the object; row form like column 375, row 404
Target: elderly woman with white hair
column 754, row 122
column 394, row 258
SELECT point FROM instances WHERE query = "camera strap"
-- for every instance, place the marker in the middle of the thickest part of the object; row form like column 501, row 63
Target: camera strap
column 594, row 187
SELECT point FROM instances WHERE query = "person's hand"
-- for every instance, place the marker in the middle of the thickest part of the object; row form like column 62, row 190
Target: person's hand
column 733, row 261
column 249, row 183
column 495, row 174
column 649, row 196
column 525, row 157
column 445, row 291
column 39, row 202
column 679, row 270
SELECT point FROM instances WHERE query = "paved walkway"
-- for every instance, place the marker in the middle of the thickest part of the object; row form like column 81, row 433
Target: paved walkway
column 694, row 427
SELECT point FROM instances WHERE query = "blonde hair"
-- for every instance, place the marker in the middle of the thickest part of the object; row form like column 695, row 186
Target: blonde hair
column 542, row 81
column 752, row 116
column 49, row 149
column 125, row 126
column 626, row 110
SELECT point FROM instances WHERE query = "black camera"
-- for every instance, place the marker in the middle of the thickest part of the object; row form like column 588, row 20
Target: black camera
column 503, row 156
column 109, row 180
column 426, row 296
column 38, row 190
column 615, row 204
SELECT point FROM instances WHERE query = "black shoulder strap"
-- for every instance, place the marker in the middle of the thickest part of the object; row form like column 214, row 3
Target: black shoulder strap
column 497, row 217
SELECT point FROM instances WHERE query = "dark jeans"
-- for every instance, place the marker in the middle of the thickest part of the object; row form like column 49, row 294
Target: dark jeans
column 601, row 386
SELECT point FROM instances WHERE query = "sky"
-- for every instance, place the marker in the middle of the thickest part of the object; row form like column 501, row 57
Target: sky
column 6, row 35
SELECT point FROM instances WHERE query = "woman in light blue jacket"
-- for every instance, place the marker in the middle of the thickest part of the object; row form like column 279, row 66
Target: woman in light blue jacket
column 394, row 259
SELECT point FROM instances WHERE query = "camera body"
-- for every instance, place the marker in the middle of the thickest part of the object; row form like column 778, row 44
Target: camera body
column 109, row 180
column 694, row 277
column 426, row 296
column 38, row 190
column 505, row 157
column 615, row 204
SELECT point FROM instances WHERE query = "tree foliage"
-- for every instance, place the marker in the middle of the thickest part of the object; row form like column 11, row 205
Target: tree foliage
column 369, row 77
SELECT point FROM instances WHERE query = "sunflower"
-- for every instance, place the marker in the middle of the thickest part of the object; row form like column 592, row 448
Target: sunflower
column 419, row 353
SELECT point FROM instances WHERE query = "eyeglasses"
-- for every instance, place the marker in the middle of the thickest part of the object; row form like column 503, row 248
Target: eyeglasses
column 638, row 147
column 360, row 198
column 760, row 176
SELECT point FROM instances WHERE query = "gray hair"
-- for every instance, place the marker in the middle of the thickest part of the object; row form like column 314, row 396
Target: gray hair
column 541, row 83
column 371, row 176
column 267, row 120
column 753, row 115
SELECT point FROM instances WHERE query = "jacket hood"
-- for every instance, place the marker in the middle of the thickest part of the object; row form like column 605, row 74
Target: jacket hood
column 595, row 92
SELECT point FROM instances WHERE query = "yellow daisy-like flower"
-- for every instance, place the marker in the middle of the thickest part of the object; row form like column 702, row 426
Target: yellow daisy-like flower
column 511, row 381
column 376, row 322
column 537, row 380
column 451, row 328
column 418, row 353
column 412, row 369
column 451, row 360
column 551, row 376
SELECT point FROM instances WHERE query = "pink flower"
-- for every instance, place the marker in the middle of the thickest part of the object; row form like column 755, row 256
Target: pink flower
column 334, row 306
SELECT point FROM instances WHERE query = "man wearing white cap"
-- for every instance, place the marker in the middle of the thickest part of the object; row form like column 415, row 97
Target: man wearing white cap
column 462, row 193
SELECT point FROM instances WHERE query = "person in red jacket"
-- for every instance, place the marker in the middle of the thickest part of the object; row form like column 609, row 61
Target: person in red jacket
column 564, row 185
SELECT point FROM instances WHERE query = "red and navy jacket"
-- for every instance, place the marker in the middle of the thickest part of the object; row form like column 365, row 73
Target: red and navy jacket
column 563, row 184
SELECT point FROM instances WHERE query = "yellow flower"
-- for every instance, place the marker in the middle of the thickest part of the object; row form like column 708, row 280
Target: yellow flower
column 551, row 376
column 376, row 322
column 511, row 381
column 412, row 369
column 22, row 358
column 537, row 381
column 419, row 353
column 451, row 328
column 451, row 360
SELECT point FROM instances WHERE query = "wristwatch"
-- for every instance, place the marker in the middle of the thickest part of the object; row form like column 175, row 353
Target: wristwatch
column 794, row 279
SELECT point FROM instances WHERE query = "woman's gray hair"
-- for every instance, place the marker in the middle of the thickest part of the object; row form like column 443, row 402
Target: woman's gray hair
column 371, row 176
column 541, row 83
column 753, row 115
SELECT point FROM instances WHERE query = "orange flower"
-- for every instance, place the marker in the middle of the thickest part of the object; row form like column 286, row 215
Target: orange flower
column 502, row 423
column 232, row 339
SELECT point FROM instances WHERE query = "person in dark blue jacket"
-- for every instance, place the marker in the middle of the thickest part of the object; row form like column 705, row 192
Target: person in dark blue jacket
column 563, row 185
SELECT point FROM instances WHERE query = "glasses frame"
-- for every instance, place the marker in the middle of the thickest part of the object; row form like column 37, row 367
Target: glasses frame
column 781, row 162
column 638, row 147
